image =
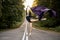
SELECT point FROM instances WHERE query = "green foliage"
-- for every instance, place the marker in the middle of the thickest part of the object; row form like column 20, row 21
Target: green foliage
column 57, row 29
column 52, row 4
column 51, row 22
column 12, row 12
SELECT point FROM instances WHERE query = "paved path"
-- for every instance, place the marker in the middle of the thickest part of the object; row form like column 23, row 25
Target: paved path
column 14, row 34
column 44, row 35
column 22, row 34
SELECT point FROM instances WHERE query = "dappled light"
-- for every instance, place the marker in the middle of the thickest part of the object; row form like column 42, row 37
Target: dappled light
column 28, row 3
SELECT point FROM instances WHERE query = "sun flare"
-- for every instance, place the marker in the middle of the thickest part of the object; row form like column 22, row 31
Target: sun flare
column 28, row 3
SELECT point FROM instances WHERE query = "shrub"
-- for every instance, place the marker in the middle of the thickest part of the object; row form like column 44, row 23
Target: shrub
column 49, row 22
column 12, row 12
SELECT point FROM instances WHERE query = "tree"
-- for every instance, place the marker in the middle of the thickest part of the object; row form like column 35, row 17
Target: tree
column 55, row 6
column 35, row 3
column 12, row 12
column 52, row 4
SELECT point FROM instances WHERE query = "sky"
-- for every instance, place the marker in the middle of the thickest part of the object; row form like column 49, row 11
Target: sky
column 28, row 3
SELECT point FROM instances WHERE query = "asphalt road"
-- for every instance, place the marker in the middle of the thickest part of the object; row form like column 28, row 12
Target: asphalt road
column 44, row 35
column 14, row 34
column 22, row 33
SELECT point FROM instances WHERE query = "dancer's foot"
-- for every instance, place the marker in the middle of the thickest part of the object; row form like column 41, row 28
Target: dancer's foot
column 29, row 34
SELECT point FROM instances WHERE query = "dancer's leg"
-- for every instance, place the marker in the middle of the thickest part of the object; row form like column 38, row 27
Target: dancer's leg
column 30, row 28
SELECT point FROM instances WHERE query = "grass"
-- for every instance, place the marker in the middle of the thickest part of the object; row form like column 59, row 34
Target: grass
column 12, row 27
column 16, row 25
column 37, row 25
